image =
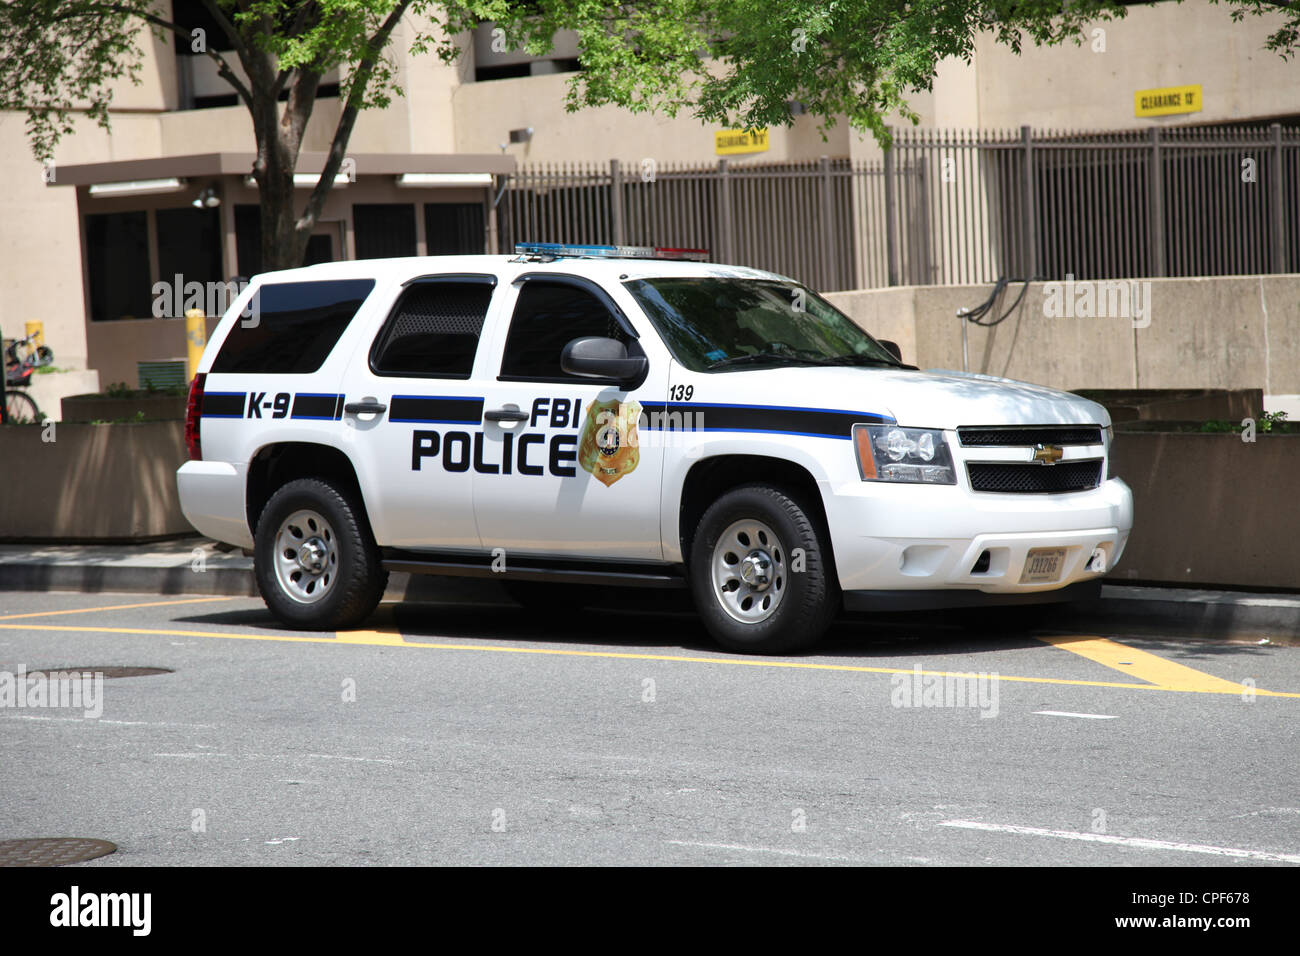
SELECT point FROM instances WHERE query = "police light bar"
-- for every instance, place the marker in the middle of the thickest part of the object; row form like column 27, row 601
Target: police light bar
column 609, row 252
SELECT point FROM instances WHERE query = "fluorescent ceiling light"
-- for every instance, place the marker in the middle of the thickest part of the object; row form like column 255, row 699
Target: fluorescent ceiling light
column 303, row 180
column 425, row 180
column 137, row 187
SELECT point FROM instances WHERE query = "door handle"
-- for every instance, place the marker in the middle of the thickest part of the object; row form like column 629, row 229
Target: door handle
column 365, row 408
column 506, row 415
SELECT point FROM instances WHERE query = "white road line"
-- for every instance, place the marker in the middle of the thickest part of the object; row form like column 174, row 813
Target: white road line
column 101, row 720
column 1066, row 713
column 1140, row 842
column 765, row 849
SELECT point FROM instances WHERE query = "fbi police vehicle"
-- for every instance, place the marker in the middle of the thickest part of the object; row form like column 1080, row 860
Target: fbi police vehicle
column 624, row 416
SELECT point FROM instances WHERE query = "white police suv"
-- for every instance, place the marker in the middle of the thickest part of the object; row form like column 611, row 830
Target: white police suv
column 600, row 415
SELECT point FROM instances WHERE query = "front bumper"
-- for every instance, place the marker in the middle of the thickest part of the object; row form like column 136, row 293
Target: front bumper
column 890, row 537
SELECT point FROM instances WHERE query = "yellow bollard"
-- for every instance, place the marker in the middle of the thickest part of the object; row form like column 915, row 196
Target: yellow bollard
column 196, row 337
column 36, row 327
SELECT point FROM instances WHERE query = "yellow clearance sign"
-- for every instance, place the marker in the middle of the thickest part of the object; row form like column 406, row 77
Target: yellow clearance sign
column 1167, row 100
column 729, row 142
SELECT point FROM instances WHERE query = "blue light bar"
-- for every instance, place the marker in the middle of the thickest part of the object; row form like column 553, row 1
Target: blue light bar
column 609, row 252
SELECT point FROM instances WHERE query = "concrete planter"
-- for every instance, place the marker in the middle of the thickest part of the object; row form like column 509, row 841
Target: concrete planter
column 1211, row 510
column 103, row 408
column 93, row 482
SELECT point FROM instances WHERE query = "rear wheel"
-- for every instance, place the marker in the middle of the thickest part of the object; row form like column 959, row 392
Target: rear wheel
column 316, row 563
column 761, row 572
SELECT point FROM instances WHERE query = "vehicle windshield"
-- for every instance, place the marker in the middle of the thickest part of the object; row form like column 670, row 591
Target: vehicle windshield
column 718, row 323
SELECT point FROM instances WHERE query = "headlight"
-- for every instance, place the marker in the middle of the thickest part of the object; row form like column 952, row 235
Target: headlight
column 891, row 453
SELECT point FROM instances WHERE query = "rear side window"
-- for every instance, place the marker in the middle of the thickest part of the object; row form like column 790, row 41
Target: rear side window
column 293, row 326
column 548, row 316
column 434, row 329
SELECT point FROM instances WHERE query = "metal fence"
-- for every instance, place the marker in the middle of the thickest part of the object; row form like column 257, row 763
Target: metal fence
column 949, row 207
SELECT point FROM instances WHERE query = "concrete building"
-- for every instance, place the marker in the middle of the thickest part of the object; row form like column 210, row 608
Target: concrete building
column 83, row 252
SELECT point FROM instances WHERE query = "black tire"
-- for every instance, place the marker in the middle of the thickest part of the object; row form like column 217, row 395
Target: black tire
column 20, row 409
column 351, row 584
column 803, row 602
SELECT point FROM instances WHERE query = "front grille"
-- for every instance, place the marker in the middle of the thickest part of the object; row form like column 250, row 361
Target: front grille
column 1033, row 478
column 986, row 437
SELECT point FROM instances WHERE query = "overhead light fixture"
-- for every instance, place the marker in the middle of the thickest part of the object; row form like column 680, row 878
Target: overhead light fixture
column 207, row 199
column 303, row 180
column 137, row 187
column 427, row 180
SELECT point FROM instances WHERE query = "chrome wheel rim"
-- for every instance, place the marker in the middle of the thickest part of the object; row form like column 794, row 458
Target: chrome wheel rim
column 750, row 571
column 306, row 556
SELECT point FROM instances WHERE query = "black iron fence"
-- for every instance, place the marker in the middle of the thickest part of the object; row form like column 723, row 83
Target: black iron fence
column 949, row 207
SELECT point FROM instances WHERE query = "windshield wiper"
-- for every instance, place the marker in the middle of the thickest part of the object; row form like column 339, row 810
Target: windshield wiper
column 867, row 360
column 761, row 357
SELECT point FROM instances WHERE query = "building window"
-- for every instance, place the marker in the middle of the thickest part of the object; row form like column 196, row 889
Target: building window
column 117, row 261
column 384, row 230
column 189, row 244
column 455, row 228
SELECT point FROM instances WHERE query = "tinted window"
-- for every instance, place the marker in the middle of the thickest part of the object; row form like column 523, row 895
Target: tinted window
column 294, row 326
column 433, row 331
column 117, row 260
column 548, row 316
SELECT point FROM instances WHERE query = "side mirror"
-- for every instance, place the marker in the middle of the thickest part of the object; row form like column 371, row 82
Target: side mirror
column 892, row 348
column 595, row 357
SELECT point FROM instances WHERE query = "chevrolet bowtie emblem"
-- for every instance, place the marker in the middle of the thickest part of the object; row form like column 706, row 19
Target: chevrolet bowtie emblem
column 1048, row 454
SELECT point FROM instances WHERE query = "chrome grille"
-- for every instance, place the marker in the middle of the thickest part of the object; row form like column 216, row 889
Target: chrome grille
column 1033, row 478
column 981, row 436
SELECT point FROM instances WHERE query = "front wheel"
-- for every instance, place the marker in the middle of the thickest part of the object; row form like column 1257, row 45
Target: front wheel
column 316, row 563
column 761, row 572
column 20, row 409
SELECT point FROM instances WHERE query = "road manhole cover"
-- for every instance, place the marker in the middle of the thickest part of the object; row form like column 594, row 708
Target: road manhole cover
column 52, row 851
column 105, row 672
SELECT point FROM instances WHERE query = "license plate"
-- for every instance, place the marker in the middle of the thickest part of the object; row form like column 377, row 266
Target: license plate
column 1043, row 564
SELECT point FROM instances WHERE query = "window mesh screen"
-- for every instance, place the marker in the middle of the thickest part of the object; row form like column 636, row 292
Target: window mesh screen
column 434, row 330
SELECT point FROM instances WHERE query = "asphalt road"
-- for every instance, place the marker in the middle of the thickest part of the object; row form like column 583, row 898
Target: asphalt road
column 486, row 735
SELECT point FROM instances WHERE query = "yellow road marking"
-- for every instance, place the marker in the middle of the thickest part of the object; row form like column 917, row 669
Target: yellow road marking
column 114, row 607
column 1152, row 668
column 394, row 639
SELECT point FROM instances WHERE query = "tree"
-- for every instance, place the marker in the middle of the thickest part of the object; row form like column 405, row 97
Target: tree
column 736, row 62
column 63, row 56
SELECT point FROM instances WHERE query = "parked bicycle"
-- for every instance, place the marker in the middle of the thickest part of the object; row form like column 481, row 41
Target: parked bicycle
column 22, row 357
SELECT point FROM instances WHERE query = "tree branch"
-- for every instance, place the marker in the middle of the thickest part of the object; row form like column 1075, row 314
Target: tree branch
column 348, row 118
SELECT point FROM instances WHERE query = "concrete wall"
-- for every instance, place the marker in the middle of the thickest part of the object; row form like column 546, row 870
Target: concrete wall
column 1228, row 332
column 1211, row 510
column 93, row 482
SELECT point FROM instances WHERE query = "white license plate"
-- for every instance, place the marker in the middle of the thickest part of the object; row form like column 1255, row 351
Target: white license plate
column 1043, row 564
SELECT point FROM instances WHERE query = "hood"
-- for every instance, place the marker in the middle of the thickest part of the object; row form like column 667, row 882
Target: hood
column 935, row 398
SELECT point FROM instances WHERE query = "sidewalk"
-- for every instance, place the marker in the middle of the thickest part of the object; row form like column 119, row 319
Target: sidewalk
column 196, row 566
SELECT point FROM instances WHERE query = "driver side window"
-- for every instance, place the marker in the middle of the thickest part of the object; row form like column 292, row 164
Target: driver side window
column 548, row 316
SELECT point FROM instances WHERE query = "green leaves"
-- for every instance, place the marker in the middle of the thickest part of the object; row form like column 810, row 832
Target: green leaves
column 60, row 57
